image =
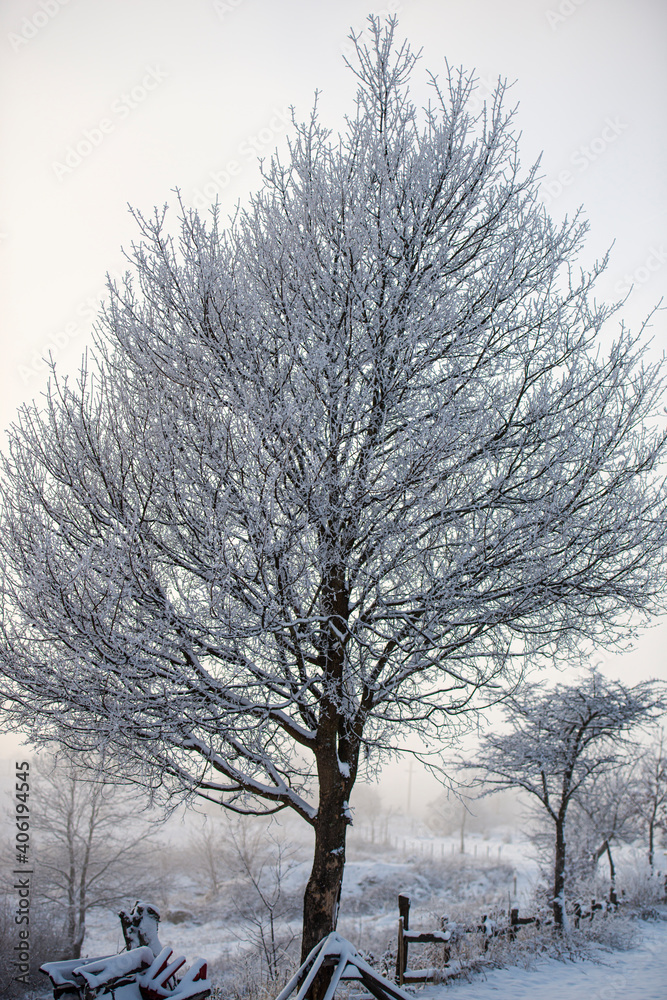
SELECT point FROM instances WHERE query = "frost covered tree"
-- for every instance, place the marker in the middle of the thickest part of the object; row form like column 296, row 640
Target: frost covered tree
column 607, row 814
column 560, row 742
column 92, row 845
column 331, row 472
column 649, row 792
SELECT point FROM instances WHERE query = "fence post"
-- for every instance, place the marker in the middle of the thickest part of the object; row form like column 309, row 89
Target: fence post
column 403, row 925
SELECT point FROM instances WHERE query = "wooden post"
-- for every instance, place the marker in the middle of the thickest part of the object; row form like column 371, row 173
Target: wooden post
column 403, row 925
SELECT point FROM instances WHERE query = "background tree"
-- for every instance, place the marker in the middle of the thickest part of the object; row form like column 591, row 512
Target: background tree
column 561, row 740
column 609, row 814
column 459, row 808
column 259, row 863
column 650, row 792
column 92, row 847
column 368, row 812
column 207, row 848
column 332, row 473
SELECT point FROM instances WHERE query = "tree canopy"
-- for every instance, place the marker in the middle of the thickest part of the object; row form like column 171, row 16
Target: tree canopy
column 331, row 470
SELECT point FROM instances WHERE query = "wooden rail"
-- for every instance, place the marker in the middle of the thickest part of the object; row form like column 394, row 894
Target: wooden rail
column 444, row 936
column 406, row 937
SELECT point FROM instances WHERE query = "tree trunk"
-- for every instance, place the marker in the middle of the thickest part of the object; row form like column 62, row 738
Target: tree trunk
column 75, row 930
column 651, row 848
column 322, row 896
column 612, row 876
column 74, row 936
column 77, row 942
column 73, row 946
column 337, row 755
column 560, row 918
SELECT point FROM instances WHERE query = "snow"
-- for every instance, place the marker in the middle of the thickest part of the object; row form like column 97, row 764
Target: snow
column 439, row 881
column 640, row 973
column 637, row 974
column 96, row 973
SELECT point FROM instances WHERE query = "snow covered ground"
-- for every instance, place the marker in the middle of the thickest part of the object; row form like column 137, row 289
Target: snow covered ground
column 640, row 973
column 637, row 974
column 438, row 878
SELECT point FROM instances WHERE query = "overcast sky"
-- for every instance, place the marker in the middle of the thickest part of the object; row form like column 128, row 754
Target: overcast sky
column 110, row 102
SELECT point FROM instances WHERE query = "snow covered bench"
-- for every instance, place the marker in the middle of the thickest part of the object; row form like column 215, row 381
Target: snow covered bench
column 146, row 971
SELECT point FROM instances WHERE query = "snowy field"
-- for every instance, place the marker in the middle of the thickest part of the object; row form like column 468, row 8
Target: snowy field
column 495, row 868
column 640, row 973
column 388, row 853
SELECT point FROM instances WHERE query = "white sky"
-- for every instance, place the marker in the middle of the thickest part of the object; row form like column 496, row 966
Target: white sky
column 166, row 93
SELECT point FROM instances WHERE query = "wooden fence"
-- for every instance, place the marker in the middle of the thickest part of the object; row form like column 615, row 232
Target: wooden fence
column 445, row 936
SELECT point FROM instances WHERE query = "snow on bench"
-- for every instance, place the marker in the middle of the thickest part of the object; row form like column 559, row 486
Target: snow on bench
column 145, row 971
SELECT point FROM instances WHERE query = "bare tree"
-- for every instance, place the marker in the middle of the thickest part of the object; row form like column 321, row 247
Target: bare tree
column 368, row 812
column 560, row 741
column 332, row 473
column 92, row 846
column 260, row 861
column 207, row 847
column 609, row 814
column 650, row 791
column 448, row 814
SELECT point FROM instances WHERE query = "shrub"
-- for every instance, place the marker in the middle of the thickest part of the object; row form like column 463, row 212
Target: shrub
column 45, row 945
